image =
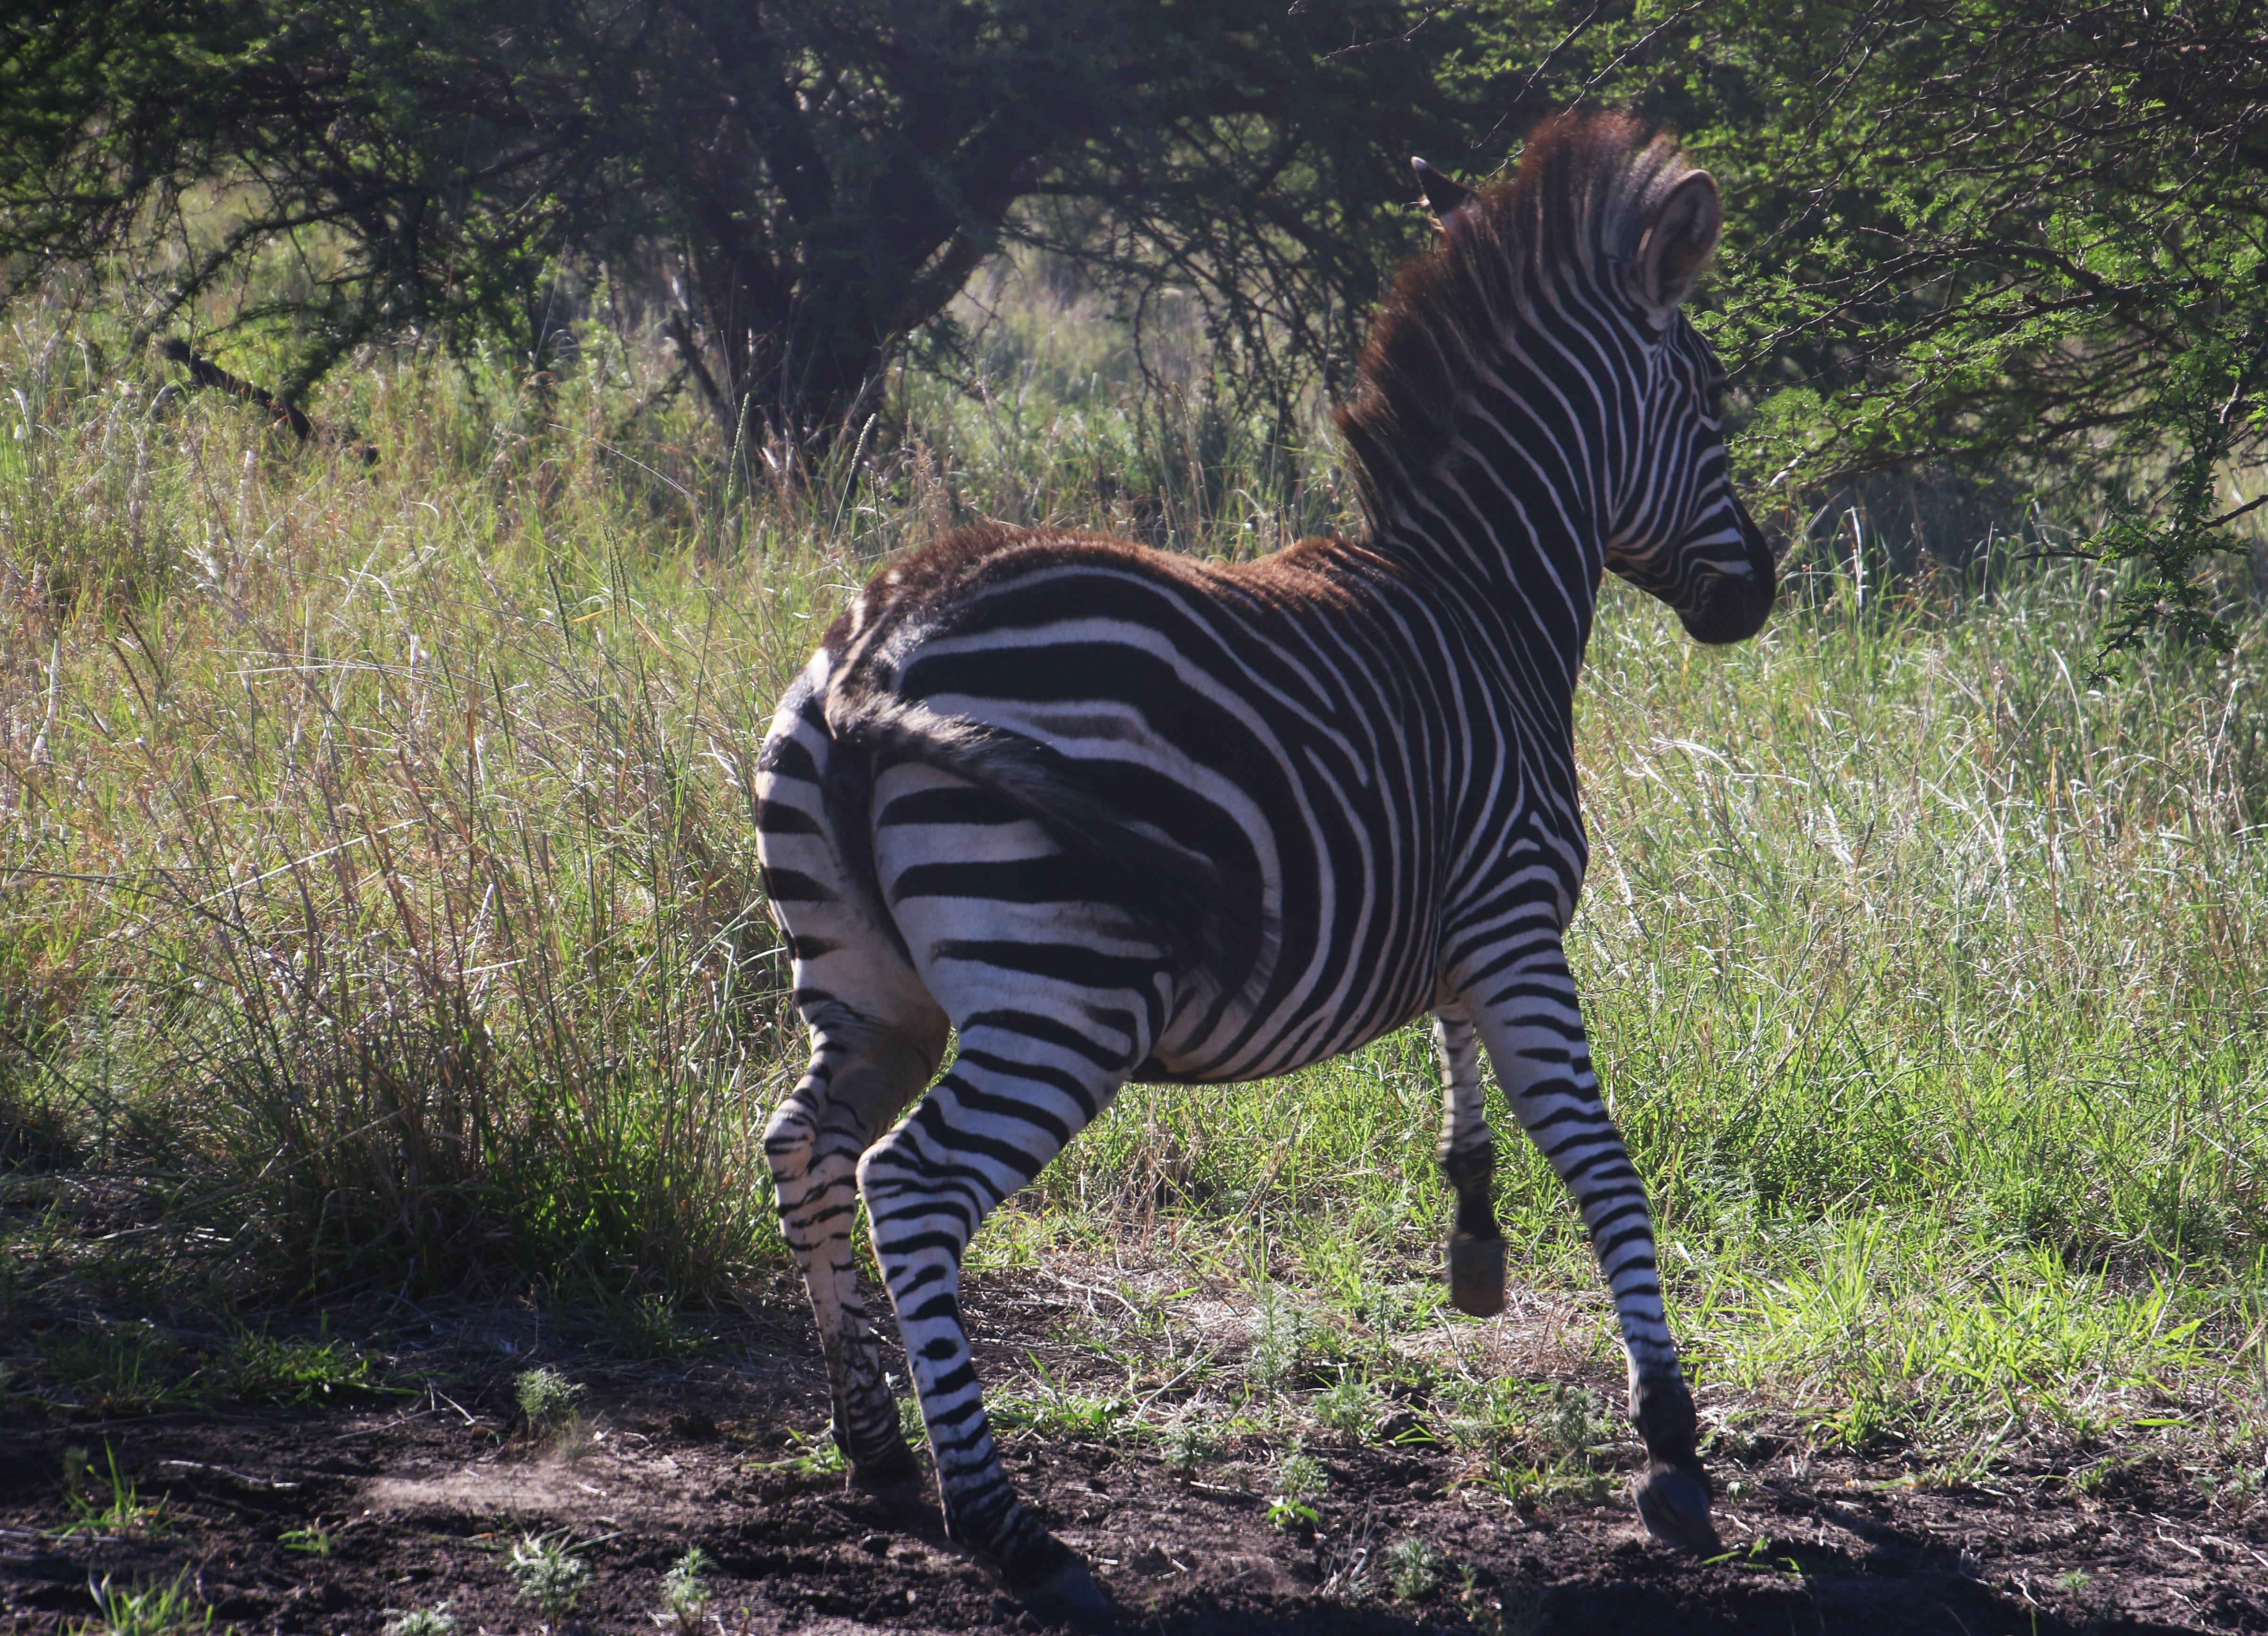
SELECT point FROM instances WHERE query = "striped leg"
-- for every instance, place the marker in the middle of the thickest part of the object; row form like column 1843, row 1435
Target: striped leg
column 876, row 1037
column 1532, row 1023
column 860, row 1076
column 1467, row 1157
column 1021, row 1086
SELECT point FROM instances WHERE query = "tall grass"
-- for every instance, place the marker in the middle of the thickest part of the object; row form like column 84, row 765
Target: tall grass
column 377, row 886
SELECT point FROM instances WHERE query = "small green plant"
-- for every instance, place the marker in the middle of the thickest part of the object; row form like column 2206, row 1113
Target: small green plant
column 685, row 1594
column 258, row 1368
column 119, row 1369
column 434, row 1621
column 645, row 1325
column 1572, row 1424
column 816, row 1453
column 306, row 1541
column 105, row 1504
column 151, row 1610
column 2072, row 1581
column 1300, row 1482
column 1189, row 1443
column 1413, row 1568
column 1055, row 1410
column 1279, row 1336
column 547, row 1575
column 1347, row 1407
column 546, row 1399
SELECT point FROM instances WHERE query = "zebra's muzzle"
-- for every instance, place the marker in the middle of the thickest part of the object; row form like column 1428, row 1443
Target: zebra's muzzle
column 1732, row 606
column 1730, row 610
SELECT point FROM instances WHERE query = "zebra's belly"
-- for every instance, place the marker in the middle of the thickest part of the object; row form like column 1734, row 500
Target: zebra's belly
column 1189, row 1069
column 1241, row 1046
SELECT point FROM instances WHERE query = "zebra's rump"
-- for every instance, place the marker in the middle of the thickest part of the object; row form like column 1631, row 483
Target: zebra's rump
column 1230, row 756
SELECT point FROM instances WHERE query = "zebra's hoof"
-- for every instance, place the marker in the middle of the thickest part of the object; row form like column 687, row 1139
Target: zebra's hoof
column 887, row 1472
column 1068, row 1596
column 1476, row 1275
column 1673, row 1504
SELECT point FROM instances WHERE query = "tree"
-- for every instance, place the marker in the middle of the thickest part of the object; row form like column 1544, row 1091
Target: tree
column 802, row 182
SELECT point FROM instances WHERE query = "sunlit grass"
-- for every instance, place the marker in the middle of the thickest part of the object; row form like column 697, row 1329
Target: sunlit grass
column 377, row 905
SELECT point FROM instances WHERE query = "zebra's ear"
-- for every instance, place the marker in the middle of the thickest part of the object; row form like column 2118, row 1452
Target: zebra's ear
column 1678, row 240
column 1444, row 198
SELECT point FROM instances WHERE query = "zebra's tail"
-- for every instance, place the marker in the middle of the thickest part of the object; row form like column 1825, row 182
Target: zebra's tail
column 1211, row 921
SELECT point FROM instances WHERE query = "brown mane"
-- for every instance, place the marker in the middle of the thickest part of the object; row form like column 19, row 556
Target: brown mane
column 1579, row 197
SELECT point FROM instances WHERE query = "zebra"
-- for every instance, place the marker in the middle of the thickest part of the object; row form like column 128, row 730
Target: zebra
column 1107, row 814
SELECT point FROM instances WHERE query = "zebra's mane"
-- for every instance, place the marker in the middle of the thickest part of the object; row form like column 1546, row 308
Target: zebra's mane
column 1573, row 211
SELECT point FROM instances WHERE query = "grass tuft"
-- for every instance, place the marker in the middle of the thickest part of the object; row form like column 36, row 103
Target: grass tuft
column 547, row 1400
column 169, row 1610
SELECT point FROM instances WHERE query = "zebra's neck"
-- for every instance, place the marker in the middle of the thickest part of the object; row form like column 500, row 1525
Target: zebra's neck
column 1511, row 519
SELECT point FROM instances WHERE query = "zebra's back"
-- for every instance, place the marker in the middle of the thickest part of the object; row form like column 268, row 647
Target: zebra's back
column 1299, row 724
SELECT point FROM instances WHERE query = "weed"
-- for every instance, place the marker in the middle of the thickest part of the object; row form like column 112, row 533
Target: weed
column 546, row 1399
column 1280, row 1334
column 1301, row 1485
column 547, row 1575
column 2072, row 1581
column 685, row 1594
column 118, row 1369
column 109, row 1505
column 1190, row 1441
column 151, row 1611
column 1347, row 1408
column 434, row 1621
column 1057, row 1410
column 306, row 1541
column 815, row 1454
column 1413, row 1568
column 647, row 1325
column 1572, row 1423
column 293, row 1373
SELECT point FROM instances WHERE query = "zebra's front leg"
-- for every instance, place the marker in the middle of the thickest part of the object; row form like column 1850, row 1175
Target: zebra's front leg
column 1468, row 1159
column 1532, row 1024
column 860, row 1076
column 1007, row 1106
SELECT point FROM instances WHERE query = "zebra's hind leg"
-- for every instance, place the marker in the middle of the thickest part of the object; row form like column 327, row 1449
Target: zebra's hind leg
column 861, row 1074
column 1532, row 1024
column 1467, row 1157
column 1021, row 1086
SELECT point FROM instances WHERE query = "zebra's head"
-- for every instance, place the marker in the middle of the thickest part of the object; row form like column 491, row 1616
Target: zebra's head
column 1535, row 371
column 1679, row 531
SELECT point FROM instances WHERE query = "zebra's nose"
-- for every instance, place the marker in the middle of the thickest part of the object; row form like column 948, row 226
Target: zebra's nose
column 1731, row 609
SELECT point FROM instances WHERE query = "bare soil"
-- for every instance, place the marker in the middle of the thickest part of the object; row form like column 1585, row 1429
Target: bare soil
column 420, row 1495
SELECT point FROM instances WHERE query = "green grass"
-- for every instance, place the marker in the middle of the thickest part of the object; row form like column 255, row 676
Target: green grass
column 105, row 1504
column 170, row 1609
column 377, row 910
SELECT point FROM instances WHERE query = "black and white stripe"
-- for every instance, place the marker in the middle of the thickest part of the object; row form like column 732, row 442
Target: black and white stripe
column 1110, row 814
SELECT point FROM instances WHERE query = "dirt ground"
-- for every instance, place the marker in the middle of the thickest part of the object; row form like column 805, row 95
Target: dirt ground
column 420, row 1495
